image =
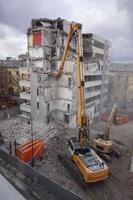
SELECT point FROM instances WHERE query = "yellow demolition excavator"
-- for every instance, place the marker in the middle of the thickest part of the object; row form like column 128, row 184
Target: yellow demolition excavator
column 84, row 162
column 102, row 143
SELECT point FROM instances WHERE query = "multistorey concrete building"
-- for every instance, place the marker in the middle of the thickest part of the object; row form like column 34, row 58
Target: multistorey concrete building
column 24, row 83
column 9, row 77
column 96, row 63
column 121, row 87
column 56, row 100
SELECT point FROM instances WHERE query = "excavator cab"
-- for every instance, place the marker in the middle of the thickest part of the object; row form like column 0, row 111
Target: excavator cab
column 103, row 146
column 75, row 148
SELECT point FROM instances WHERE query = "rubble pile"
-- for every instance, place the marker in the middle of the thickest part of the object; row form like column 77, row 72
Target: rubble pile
column 16, row 129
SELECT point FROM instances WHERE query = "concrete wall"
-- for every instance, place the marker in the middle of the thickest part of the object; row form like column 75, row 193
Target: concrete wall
column 121, row 86
column 57, row 99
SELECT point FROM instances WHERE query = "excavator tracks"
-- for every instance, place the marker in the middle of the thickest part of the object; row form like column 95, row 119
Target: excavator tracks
column 77, row 176
column 108, row 157
column 66, row 161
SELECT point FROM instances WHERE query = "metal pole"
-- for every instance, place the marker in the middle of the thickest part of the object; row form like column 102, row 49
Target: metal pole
column 8, row 116
column 32, row 137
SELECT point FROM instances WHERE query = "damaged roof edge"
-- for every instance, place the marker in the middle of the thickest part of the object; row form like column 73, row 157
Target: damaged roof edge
column 58, row 23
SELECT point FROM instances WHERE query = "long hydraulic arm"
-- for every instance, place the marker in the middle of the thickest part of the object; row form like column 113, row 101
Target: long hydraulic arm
column 74, row 27
column 97, row 170
column 112, row 118
column 81, row 115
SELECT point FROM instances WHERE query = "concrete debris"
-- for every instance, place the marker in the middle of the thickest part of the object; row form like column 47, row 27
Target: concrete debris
column 20, row 131
column 120, row 176
column 56, row 136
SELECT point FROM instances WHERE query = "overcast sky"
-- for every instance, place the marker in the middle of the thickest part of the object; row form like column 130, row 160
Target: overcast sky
column 112, row 19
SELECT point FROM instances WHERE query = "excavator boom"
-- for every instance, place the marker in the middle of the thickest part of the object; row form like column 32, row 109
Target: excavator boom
column 91, row 167
column 81, row 115
column 74, row 27
column 111, row 119
column 102, row 143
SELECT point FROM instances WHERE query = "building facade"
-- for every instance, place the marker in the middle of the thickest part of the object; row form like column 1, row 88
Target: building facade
column 121, row 86
column 96, row 64
column 9, row 78
column 24, row 83
column 52, row 99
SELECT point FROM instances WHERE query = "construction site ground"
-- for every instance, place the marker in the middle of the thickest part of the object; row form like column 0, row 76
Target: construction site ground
column 119, row 184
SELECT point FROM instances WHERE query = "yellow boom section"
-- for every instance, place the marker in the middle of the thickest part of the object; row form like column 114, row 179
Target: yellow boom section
column 74, row 27
column 112, row 118
column 81, row 115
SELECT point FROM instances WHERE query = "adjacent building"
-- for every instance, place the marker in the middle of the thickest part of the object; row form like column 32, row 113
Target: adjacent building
column 121, row 86
column 96, row 63
column 9, row 78
column 24, row 83
column 49, row 99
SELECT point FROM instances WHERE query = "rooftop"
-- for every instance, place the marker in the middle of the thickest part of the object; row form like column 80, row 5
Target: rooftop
column 13, row 63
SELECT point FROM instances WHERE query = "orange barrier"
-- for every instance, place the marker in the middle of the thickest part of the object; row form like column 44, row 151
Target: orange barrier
column 121, row 119
column 24, row 151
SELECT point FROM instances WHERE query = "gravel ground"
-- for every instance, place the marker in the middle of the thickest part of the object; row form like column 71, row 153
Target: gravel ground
column 17, row 129
column 118, row 185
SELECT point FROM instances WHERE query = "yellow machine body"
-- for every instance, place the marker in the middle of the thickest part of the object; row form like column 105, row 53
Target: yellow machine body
column 90, row 165
column 89, row 175
column 102, row 145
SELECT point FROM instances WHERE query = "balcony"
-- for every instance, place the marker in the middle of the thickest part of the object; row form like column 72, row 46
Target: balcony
column 97, row 50
column 24, row 83
column 25, row 95
column 92, row 69
column 92, row 73
column 25, row 107
column 92, row 94
column 92, row 83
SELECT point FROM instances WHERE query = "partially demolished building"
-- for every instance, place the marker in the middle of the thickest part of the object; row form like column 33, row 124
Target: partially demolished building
column 24, row 83
column 121, row 87
column 52, row 99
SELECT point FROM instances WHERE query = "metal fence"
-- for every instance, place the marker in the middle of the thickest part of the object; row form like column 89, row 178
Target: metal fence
column 49, row 185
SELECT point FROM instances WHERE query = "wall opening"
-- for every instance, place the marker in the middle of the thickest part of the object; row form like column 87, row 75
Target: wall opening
column 37, row 92
column 37, row 105
column 68, row 107
column 48, row 106
column 66, row 118
column 69, row 81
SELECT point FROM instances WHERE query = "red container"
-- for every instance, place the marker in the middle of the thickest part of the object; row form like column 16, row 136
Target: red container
column 125, row 118
column 121, row 119
column 37, row 38
column 24, row 151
